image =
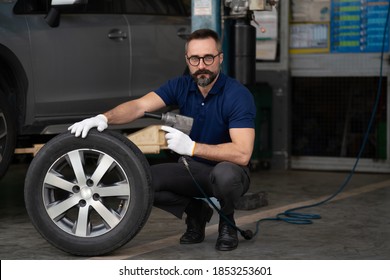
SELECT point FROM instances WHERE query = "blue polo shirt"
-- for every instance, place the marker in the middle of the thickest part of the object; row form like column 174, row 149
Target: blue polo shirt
column 229, row 104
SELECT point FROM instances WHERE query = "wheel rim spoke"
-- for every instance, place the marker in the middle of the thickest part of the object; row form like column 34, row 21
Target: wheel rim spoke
column 120, row 190
column 75, row 160
column 82, row 222
column 104, row 164
column 110, row 218
column 55, row 180
column 59, row 209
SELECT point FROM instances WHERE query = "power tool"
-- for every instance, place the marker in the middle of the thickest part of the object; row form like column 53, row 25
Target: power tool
column 180, row 122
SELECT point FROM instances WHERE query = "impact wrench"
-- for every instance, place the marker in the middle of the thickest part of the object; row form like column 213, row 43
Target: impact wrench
column 180, row 122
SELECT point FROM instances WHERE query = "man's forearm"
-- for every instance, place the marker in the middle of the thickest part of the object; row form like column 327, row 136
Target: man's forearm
column 134, row 109
column 223, row 152
column 123, row 113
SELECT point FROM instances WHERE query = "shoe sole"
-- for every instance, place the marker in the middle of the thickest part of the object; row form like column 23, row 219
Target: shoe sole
column 186, row 242
column 226, row 248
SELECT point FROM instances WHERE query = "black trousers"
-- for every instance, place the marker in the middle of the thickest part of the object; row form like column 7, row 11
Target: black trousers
column 174, row 187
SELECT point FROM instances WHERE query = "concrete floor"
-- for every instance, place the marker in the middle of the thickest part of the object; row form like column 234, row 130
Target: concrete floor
column 354, row 225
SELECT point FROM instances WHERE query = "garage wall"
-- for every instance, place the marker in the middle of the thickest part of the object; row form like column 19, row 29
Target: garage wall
column 326, row 98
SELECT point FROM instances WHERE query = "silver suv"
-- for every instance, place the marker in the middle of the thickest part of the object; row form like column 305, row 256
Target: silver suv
column 61, row 63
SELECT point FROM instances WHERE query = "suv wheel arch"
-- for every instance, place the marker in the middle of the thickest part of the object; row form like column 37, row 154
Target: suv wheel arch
column 13, row 86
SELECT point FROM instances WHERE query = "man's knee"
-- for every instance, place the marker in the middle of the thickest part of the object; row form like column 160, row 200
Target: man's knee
column 228, row 177
column 224, row 173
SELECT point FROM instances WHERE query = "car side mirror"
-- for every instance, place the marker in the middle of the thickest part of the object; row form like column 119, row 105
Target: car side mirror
column 53, row 16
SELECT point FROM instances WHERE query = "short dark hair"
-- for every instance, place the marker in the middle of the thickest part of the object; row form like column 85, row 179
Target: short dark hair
column 204, row 34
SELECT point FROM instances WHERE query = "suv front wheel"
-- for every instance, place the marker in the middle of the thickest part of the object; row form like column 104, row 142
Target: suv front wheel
column 7, row 132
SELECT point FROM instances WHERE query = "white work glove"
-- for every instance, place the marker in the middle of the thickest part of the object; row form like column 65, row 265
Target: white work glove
column 178, row 141
column 82, row 127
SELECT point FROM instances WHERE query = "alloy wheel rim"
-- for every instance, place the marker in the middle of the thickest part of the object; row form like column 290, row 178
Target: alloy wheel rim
column 86, row 193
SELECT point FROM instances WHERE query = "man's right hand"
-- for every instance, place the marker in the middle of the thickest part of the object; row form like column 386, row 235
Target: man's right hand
column 82, row 128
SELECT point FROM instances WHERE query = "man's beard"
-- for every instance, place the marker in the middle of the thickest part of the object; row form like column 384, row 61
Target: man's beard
column 203, row 81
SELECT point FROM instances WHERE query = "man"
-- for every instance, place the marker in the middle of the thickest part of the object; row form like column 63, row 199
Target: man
column 217, row 150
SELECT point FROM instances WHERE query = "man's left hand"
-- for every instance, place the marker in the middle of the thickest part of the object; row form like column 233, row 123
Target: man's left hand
column 178, row 141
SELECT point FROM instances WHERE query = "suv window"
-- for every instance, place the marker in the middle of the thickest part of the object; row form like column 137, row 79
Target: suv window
column 149, row 7
column 31, row 7
column 93, row 7
column 99, row 7
column 155, row 7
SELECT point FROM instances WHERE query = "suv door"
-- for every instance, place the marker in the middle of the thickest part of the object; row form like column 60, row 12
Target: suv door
column 81, row 67
column 158, row 29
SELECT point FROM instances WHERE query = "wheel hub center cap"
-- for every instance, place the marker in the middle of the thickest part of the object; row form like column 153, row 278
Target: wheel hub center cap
column 86, row 193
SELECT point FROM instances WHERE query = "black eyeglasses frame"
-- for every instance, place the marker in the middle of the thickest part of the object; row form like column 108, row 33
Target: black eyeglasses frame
column 202, row 58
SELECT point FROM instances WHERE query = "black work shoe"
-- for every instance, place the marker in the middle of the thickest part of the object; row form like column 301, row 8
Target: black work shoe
column 227, row 238
column 196, row 222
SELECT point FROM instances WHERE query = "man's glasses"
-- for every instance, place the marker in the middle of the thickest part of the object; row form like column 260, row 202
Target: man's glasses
column 207, row 59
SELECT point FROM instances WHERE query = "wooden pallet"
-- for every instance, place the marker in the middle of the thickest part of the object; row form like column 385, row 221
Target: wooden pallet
column 150, row 140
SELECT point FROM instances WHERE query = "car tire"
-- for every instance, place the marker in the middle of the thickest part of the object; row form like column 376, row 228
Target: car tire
column 8, row 132
column 89, row 196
